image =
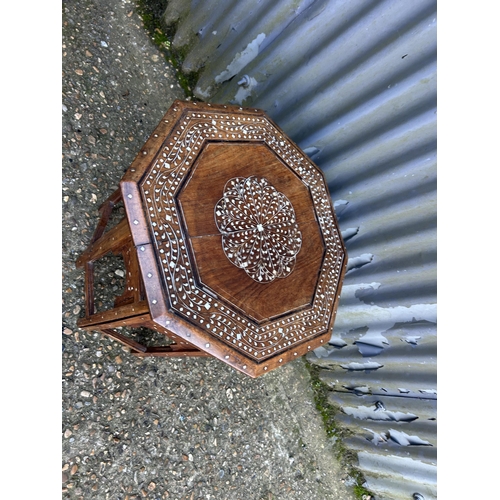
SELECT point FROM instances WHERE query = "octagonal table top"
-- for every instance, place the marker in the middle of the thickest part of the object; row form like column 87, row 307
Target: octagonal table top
column 238, row 244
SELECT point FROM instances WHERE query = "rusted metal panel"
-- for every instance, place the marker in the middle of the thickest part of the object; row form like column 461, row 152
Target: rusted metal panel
column 353, row 83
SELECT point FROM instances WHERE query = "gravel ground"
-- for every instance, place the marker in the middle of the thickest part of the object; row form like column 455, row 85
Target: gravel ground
column 157, row 428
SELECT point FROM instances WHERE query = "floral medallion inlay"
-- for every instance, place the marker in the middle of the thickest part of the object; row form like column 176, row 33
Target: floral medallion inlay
column 259, row 230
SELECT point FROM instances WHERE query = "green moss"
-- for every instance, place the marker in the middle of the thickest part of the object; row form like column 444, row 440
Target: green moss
column 150, row 12
column 335, row 432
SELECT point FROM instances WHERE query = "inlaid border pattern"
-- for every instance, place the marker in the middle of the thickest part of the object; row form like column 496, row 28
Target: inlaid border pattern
column 159, row 189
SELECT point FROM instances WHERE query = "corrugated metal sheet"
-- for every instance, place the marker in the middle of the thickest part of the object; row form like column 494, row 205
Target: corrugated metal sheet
column 353, row 83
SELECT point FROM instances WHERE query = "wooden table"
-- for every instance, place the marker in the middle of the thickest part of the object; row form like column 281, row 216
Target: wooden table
column 230, row 242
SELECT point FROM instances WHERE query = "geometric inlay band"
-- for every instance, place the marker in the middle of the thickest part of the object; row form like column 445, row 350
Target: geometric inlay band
column 259, row 232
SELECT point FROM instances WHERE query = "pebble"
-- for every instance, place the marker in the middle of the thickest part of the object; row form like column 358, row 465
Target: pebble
column 67, row 331
column 67, row 433
column 85, row 394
